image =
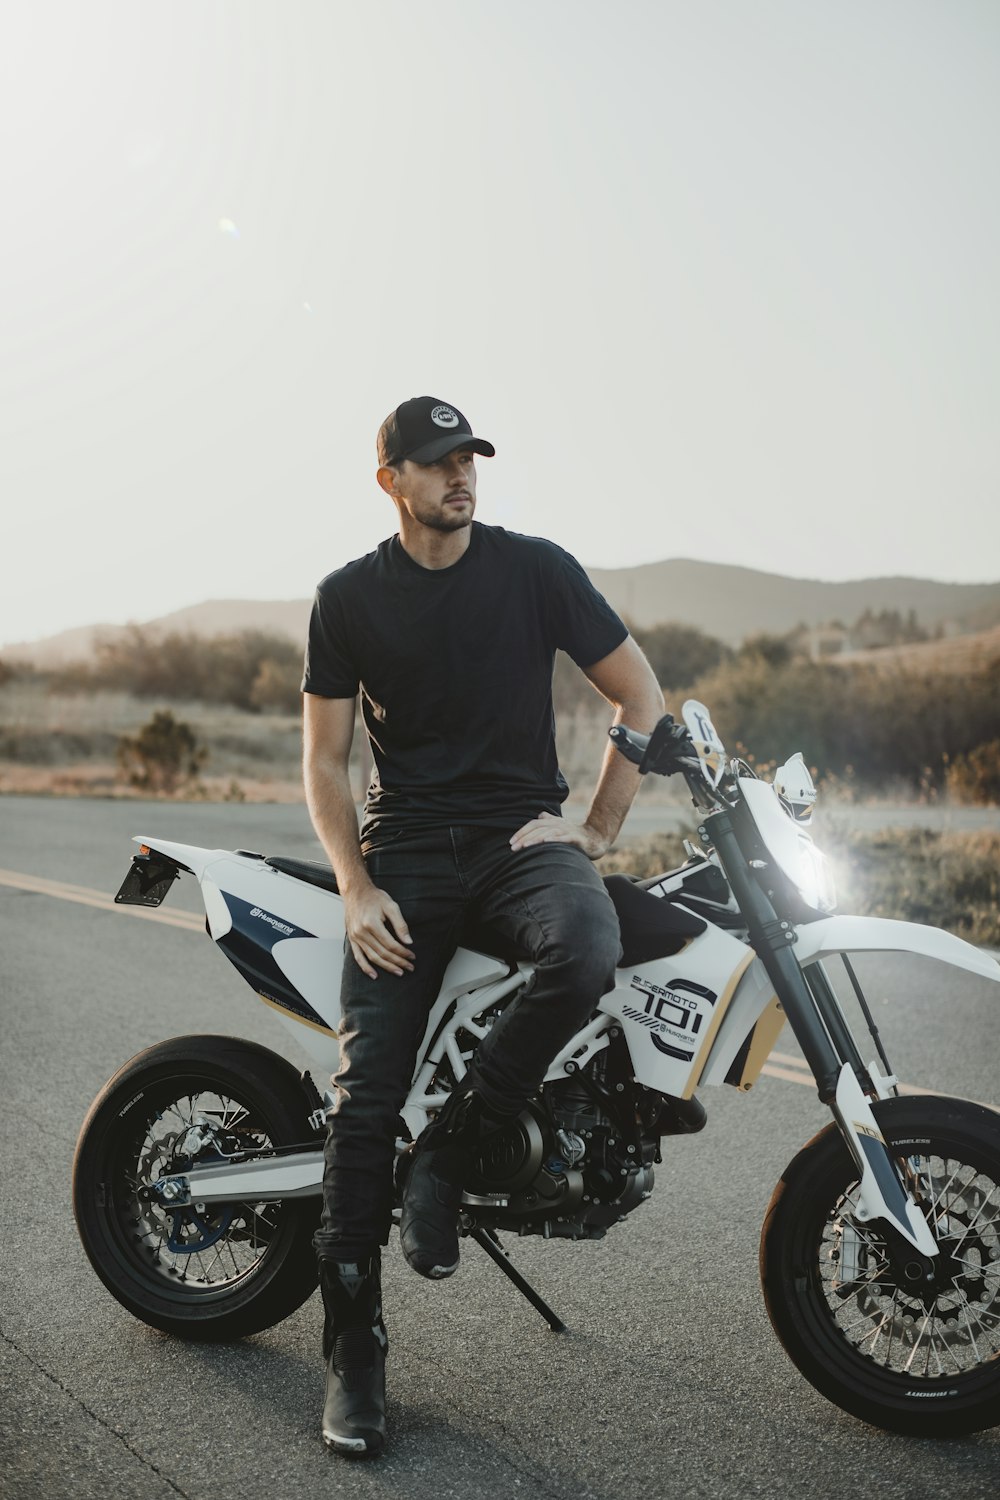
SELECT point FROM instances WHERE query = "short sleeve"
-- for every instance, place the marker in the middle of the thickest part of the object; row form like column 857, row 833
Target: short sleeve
column 583, row 623
column 330, row 670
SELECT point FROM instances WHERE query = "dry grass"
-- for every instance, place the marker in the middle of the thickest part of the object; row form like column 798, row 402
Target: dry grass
column 65, row 745
column 949, row 880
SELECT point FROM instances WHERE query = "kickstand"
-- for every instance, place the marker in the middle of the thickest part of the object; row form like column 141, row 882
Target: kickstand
column 496, row 1252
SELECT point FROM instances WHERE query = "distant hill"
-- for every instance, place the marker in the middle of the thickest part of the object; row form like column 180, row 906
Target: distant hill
column 728, row 602
column 215, row 617
column 733, row 603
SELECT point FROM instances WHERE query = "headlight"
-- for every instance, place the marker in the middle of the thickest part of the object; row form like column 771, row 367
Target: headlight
column 816, row 884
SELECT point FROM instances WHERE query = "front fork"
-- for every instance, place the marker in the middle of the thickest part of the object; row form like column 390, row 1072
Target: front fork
column 882, row 1194
column 818, row 1023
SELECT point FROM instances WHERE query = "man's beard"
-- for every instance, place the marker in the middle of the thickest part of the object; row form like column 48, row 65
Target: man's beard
column 444, row 522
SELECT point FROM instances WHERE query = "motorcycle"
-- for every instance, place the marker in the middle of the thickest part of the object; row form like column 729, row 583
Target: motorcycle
column 198, row 1169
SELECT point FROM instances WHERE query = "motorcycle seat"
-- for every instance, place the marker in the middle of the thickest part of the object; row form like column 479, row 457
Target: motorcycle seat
column 309, row 870
column 651, row 926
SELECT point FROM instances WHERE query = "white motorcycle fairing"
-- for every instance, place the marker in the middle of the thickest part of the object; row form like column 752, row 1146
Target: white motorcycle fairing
column 674, row 1011
column 833, row 935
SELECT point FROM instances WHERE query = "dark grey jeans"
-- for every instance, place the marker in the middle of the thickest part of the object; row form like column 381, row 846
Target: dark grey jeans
column 551, row 905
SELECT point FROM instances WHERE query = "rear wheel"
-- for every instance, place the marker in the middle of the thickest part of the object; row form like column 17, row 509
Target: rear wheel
column 213, row 1272
column 922, row 1364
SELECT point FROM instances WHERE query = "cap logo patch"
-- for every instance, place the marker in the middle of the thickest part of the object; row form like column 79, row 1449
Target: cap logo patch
column 443, row 416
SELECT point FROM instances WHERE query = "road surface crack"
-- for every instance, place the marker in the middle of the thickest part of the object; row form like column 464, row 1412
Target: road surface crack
column 54, row 1379
column 542, row 1484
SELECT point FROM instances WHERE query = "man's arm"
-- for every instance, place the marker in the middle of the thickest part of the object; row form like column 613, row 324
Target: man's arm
column 376, row 928
column 626, row 680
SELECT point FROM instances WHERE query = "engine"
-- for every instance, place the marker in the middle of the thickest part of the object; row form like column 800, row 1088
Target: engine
column 575, row 1161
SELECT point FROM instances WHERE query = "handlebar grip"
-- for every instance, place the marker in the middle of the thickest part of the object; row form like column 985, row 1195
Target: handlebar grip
column 630, row 742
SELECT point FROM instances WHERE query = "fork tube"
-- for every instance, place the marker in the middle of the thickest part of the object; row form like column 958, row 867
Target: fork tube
column 770, row 939
column 825, row 997
column 869, row 1018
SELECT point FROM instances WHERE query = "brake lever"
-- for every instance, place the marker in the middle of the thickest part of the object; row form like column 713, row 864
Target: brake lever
column 662, row 752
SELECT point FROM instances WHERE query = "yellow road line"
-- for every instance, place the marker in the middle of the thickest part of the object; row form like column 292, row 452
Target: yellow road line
column 64, row 891
column 789, row 1060
column 787, row 1074
column 796, row 1070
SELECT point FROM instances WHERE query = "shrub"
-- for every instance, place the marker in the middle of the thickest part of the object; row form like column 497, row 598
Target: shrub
column 164, row 753
column 975, row 777
column 678, row 654
column 251, row 670
column 276, row 687
column 852, row 720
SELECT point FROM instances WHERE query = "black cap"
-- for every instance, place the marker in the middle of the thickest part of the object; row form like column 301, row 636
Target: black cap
column 424, row 429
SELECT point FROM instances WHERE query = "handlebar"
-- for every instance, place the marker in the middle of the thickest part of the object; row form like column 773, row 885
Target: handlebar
column 666, row 751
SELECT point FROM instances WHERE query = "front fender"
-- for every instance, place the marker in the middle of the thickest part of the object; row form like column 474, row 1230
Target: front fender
column 832, row 935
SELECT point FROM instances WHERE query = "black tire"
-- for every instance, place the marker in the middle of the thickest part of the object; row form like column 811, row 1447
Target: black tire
column 221, row 1274
column 930, row 1370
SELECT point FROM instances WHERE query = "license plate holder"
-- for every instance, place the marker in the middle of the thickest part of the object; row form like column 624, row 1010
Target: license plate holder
column 147, row 881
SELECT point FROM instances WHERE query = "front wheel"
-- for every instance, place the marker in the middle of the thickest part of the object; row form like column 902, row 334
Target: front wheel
column 215, row 1271
column 915, row 1363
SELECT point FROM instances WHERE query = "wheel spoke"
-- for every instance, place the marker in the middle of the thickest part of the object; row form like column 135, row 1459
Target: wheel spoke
column 990, row 1224
column 892, row 1325
column 944, row 1189
column 870, row 1278
column 916, row 1344
column 873, row 1335
column 858, row 1323
column 972, row 1336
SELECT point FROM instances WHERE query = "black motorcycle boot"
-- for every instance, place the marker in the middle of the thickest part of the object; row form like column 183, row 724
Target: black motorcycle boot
column 434, row 1176
column 354, row 1346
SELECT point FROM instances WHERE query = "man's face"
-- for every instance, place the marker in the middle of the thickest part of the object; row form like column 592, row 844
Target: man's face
column 441, row 496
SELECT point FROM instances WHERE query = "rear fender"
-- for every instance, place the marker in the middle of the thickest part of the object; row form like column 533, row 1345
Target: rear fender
column 188, row 856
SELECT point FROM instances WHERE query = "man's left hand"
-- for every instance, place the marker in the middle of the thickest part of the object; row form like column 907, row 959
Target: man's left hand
column 549, row 829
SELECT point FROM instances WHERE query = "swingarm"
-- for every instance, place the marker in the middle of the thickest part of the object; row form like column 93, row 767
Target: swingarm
column 262, row 1179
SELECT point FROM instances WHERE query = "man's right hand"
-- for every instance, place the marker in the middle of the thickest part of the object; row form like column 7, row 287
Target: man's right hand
column 377, row 932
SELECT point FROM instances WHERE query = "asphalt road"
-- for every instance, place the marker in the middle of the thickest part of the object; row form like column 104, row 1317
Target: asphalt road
column 670, row 1382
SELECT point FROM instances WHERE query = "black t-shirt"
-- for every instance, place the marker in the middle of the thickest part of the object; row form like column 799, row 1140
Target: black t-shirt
column 454, row 666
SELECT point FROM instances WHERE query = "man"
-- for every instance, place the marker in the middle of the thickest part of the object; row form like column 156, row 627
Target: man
column 448, row 631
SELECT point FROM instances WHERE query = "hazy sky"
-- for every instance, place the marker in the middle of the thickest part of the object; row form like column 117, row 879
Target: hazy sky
column 719, row 280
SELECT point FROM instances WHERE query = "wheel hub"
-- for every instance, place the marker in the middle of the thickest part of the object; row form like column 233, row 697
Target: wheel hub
column 192, row 1228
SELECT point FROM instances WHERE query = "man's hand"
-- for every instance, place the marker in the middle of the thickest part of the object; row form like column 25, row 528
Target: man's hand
column 377, row 932
column 549, row 829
